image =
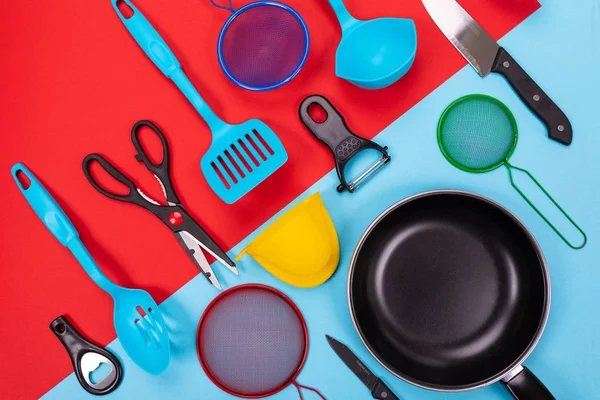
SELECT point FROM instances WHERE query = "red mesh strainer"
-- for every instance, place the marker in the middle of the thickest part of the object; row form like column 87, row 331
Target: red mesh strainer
column 252, row 342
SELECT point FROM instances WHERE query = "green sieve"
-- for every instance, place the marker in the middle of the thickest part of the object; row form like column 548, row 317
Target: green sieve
column 478, row 133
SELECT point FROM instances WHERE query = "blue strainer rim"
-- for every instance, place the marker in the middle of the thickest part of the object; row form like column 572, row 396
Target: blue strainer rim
column 236, row 14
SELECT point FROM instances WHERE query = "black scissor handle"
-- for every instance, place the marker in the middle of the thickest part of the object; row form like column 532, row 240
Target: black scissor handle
column 161, row 170
column 132, row 197
column 142, row 156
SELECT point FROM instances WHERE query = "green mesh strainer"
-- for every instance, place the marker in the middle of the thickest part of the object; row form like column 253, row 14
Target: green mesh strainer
column 478, row 133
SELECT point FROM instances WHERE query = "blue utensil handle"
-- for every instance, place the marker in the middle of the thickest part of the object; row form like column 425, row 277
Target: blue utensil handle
column 163, row 57
column 344, row 17
column 186, row 87
column 91, row 268
column 149, row 40
column 59, row 224
column 45, row 206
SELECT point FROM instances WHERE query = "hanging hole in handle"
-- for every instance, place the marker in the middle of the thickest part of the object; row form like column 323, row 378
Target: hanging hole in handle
column 60, row 329
column 126, row 11
column 151, row 144
column 106, row 181
column 317, row 113
column 100, row 373
column 23, row 179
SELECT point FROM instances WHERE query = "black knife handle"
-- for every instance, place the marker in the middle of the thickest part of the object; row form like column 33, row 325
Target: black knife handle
column 557, row 123
column 382, row 392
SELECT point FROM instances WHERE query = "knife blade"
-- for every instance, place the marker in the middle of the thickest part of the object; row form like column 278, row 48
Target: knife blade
column 485, row 56
column 378, row 389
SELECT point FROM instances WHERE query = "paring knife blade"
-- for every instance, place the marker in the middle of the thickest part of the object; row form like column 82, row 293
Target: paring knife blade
column 485, row 55
column 378, row 389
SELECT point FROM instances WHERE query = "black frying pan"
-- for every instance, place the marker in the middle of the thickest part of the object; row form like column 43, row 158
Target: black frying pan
column 450, row 291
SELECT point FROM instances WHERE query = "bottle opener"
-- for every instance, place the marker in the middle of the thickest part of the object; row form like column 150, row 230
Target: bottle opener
column 87, row 357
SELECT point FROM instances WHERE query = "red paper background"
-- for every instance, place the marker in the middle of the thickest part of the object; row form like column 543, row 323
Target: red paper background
column 73, row 82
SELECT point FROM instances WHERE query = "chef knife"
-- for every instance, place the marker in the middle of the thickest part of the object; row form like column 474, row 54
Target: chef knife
column 378, row 389
column 485, row 55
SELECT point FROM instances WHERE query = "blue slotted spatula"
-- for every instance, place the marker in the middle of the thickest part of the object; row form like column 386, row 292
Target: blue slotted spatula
column 240, row 156
column 139, row 323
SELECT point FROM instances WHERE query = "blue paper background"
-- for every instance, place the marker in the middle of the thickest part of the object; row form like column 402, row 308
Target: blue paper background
column 559, row 46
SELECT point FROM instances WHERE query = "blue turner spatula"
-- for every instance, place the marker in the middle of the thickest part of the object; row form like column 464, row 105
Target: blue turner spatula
column 240, row 156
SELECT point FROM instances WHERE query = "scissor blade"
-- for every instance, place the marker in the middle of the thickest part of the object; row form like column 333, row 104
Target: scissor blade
column 190, row 236
column 469, row 38
column 197, row 255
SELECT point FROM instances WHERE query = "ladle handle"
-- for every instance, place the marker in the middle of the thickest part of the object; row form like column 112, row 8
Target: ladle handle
column 344, row 17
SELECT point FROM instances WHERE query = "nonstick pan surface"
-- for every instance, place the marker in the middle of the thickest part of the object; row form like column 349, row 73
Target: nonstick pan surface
column 450, row 291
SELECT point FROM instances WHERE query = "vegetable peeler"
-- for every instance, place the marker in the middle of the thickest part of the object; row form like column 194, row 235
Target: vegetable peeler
column 342, row 142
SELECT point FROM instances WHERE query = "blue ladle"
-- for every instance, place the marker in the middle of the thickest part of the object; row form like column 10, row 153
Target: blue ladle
column 375, row 53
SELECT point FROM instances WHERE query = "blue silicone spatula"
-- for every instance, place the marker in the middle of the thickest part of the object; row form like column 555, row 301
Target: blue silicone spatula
column 139, row 323
column 240, row 156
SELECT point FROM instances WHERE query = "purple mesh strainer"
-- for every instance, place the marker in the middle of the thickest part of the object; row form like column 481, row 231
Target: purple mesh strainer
column 263, row 45
column 252, row 342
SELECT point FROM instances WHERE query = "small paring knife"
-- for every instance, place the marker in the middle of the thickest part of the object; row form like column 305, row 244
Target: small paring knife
column 378, row 389
column 485, row 55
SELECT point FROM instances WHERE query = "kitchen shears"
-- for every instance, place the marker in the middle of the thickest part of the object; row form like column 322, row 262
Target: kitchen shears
column 187, row 231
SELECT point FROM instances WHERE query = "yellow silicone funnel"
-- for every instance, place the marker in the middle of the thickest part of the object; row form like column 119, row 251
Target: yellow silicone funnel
column 301, row 248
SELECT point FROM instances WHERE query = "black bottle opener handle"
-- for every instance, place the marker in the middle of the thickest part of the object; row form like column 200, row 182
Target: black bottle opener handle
column 342, row 142
column 86, row 357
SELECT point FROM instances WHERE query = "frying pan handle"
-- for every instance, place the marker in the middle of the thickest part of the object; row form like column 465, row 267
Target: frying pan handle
column 526, row 386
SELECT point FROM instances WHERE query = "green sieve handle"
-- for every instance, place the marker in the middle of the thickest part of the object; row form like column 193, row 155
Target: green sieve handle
column 510, row 167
